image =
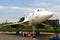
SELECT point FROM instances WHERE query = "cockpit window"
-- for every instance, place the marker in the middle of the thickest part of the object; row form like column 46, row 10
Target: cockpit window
column 40, row 9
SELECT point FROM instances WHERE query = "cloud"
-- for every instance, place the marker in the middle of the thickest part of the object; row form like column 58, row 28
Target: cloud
column 41, row 4
column 12, row 12
column 44, row 3
column 8, row 20
column 14, row 8
column 56, row 8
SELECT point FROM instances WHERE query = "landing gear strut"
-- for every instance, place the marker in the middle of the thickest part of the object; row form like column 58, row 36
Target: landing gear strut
column 17, row 32
column 33, row 36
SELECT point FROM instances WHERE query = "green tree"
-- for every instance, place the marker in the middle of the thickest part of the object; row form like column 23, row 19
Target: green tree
column 50, row 23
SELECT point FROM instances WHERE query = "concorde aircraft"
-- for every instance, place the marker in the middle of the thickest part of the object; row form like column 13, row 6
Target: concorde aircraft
column 38, row 15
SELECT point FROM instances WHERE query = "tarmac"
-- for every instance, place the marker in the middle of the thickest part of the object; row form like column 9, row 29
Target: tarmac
column 13, row 36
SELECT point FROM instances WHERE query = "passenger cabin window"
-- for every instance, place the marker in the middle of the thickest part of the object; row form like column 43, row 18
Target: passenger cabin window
column 38, row 10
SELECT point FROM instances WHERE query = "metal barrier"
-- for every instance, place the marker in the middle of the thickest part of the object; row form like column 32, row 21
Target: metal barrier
column 56, row 37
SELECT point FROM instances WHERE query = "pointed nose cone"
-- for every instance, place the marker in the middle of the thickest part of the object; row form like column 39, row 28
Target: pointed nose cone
column 51, row 14
column 48, row 14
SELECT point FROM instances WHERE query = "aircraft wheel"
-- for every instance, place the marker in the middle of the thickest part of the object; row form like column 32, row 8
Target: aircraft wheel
column 17, row 32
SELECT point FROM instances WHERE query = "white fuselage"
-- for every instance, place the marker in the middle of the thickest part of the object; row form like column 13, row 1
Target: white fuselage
column 38, row 16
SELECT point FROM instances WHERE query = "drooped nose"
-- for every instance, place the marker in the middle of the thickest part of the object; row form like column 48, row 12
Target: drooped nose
column 50, row 14
column 47, row 13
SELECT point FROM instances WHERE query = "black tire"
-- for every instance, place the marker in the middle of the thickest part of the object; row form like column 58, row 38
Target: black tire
column 17, row 32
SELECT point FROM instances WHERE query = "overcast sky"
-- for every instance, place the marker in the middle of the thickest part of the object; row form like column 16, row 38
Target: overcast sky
column 12, row 10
